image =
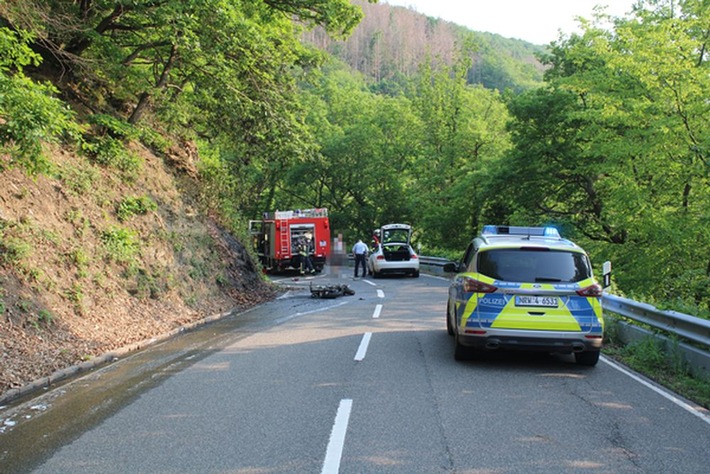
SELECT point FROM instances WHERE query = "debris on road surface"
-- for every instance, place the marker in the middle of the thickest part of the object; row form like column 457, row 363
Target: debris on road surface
column 330, row 291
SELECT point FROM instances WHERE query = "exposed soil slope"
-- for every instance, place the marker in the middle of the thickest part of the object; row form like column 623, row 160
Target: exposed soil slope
column 68, row 294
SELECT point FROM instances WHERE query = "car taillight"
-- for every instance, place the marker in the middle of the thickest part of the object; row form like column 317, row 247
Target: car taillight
column 593, row 291
column 471, row 285
column 414, row 255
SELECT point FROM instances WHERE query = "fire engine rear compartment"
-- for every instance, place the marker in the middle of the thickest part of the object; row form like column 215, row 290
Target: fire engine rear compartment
column 275, row 238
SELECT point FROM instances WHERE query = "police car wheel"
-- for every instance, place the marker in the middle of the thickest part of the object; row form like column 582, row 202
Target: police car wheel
column 461, row 353
column 449, row 326
column 589, row 358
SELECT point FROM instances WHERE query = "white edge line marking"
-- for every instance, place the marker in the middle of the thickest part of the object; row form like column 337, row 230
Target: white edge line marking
column 370, row 283
column 378, row 310
column 380, row 293
column 436, row 277
column 292, row 316
column 334, row 453
column 285, row 295
column 659, row 391
column 362, row 350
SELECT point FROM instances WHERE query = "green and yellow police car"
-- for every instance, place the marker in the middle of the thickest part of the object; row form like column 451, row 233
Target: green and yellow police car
column 524, row 288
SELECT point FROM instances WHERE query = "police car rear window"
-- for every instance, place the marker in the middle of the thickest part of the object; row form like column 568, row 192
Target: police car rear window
column 539, row 266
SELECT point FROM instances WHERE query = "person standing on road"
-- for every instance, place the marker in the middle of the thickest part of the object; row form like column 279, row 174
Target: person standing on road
column 304, row 252
column 360, row 252
column 375, row 239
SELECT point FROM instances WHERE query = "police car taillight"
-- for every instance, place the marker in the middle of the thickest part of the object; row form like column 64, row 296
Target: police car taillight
column 593, row 291
column 471, row 285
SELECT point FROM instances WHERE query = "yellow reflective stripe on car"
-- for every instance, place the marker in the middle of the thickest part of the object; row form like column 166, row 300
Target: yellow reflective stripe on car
column 596, row 304
column 548, row 319
column 481, row 277
column 469, row 309
column 511, row 316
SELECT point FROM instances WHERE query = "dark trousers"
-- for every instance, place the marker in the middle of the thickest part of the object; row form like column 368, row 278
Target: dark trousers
column 360, row 260
column 306, row 264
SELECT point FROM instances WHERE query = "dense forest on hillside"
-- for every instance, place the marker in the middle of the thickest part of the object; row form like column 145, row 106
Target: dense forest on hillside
column 377, row 113
column 391, row 43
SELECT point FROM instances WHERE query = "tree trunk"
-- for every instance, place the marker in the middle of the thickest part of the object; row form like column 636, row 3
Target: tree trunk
column 144, row 99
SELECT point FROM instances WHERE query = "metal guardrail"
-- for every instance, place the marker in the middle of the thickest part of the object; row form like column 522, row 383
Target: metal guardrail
column 436, row 263
column 685, row 327
column 689, row 327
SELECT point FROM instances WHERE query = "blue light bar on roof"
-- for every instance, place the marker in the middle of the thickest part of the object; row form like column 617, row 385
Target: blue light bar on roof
column 520, row 230
column 551, row 232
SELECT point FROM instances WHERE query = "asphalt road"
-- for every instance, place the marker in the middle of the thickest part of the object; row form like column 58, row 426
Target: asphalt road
column 357, row 384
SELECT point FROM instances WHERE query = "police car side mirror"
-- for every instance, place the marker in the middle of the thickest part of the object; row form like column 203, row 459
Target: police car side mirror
column 451, row 267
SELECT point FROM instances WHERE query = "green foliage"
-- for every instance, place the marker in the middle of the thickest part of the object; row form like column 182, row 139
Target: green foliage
column 648, row 353
column 106, row 144
column 121, row 245
column 109, row 151
column 105, row 124
column 34, row 274
column 648, row 357
column 79, row 221
column 464, row 137
column 152, row 283
column 29, row 112
column 16, row 54
column 176, row 239
column 506, row 64
column 440, row 252
column 612, row 331
column 157, row 142
column 366, row 145
column 45, row 317
column 80, row 259
column 392, row 43
column 197, row 269
column 75, row 294
column 221, row 191
column 24, row 305
column 13, row 249
column 615, row 149
column 79, row 181
column 339, row 17
column 132, row 206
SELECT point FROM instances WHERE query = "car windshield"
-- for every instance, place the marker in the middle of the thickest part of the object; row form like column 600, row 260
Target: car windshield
column 534, row 265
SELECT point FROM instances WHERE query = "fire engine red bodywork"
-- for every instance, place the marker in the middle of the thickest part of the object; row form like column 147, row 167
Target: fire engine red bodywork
column 275, row 236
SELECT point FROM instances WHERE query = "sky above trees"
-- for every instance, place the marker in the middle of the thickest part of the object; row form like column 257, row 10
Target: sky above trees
column 538, row 22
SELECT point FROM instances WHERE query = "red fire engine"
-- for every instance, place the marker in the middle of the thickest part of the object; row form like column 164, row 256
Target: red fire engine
column 276, row 238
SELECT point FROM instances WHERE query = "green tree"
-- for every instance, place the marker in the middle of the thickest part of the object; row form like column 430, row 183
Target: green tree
column 30, row 113
column 464, row 135
column 366, row 146
column 616, row 147
column 221, row 72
